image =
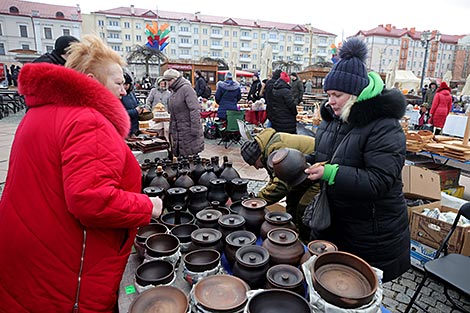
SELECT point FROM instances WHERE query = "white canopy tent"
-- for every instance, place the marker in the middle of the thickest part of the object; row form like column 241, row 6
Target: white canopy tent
column 406, row 80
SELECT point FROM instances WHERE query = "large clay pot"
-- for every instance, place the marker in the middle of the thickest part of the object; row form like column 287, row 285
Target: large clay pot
column 216, row 166
column 236, row 206
column 289, row 165
column 183, row 233
column 235, row 241
column 208, row 218
column 198, row 170
column 197, row 199
column 176, row 217
column 206, row 238
column 238, row 189
column 317, row 247
column 284, row 246
column 207, row 176
column 161, row 245
column 229, row 173
column 253, row 210
column 230, row 223
column 217, row 191
column 276, row 220
column 215, row 205
column 175, row 196
column 287, row 277
column 184, row 181
column 160, row 180
column 150, row 175
column 153, row 300
column 251, row 265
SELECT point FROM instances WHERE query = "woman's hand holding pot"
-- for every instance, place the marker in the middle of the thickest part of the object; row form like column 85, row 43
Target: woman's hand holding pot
column 157, row 206
column 315, row 172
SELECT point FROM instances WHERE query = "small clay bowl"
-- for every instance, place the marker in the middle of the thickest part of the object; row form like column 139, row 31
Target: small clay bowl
column 183, row 232
column 160, row 245
column 277, row 301
column 201, row 260
column 155, row 272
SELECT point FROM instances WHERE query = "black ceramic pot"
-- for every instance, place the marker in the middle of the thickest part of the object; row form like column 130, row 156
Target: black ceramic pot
column 251, row 265
column 154, row 272
column 235, row 241
column 201, row 260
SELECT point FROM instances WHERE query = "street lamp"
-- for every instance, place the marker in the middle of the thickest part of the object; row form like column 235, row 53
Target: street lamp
column 426, row 37
column 310, row 31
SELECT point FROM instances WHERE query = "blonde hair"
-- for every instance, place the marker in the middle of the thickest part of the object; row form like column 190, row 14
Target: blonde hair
column 347, row 107
column 91, row 56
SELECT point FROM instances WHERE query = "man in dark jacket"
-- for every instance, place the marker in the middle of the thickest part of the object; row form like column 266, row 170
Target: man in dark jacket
column 297, row 88
column 268, row 93
column 284, row 111
column 131, row 103
column 227, row 95
column 200, row 86
column 255, row 89
column 59, row 54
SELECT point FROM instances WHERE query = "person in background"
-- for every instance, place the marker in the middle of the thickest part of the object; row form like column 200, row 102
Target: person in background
column 255, row 89
column 201, row 84
column 441, row 106
column 159, row 94
column 131, row 103
column 67, row 243
column 8, row 76
column 186, row 132
column 256, row 153
column 423, row 117
column 283, row 109
column 429, row 97
column 297, row 88
column 308, row 87
column 59, row 54
column 227, row 95
column 268, row 94
column 423, row 91
column 360, row 125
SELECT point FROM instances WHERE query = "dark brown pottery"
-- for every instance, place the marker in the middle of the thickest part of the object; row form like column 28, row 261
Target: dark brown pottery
column 289, row 165
column 175, row 196
column 238, row 189
column 184, row 181
column 287, row 277
column 207, row 176
column 201, row 260
column 235, row 241
column 183, row 232
column 208, row 218
column 215, row 164
column 176, row 217
column 151, row 173
column 215, row 205
column 217, row 191
column 154, row 191
column 155, row 272
column 236, row 206
column 317, row 247
column 230, row 223
column 276, row 220
column 160, row 245
column 153, row 300
column 206, row 238
column 229, row 173
column 253, row 210
column 277, row 301
column 221, row 293
column 251, row 265
column 143, row 233
column 160, row 180
column 343, row 279
column 198, row 170
column 197, row 199
column 284, row 246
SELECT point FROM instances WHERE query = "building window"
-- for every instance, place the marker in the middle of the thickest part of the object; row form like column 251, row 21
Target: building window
column 196, row 42
column 1, row 30
column 128, row 49
column 184, row 29
column 226, row 44
column 14, row 10
column 204, row 42
column 204, row 31
column 2, row 49
column 184, row 40
column 235, row 44
column 216, row 31
column 49, row 48
column 116, row 48
column 138, row 26
column 173, row 51
column 127, row 37
column 235, row 33
column 172, row 28
column 100, row 23
column 196, row 30
column 59, row 14
column 138, row 38
column 47, row 32
column 173, row 40
column 25, row 47
column 114, row 35
column 226, row 33
column 184, row 52
column 127, row 25
column 263, row 36
column 66, row 32
column 113, row 23
column 23, row 31
column 255, row 35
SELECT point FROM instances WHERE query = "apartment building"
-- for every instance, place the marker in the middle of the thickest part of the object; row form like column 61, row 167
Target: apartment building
column 28, row 29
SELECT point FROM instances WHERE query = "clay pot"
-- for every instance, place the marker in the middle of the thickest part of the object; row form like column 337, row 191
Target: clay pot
column 207, row 176
column 183, row 233
column 184, row 181
column 198, row 170
column 161, row 245
column 235, row 241
column 276, row 220
column 175, row 196
column 236, row 206
column 143, row 233
column 201, row 260
column 317, row 247
column 230, row 223
column 217, row 191
column 216, row 166
column 208, row 218
column 251, row 265
column 171, row 298
column 197, row 199
column 154, row 191
column 151, row 173
column 154, row 272
column 160, row 180
column 215, row 205
column 286, row 277
column 284, row 246
column 176, row 217
column 277, row 301
column 238, row 189
column 253, row 210
column 206, row 238
column 289, row 165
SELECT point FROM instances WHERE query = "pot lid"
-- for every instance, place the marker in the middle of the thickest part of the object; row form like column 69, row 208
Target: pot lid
column 198, row 189
column 153, row 189
column 206, row 236
column 282, row 236
column 176, row 191
column 221, row 293
column 152, row 300
column 208, row 215
column 284, row 275
column 254, row 203
column 240, row 238
column 218, row 181
column 231, row 221
column 318, row 247
column 239, row 181
column 278, row 217
column 279, row 156
column 252, row 256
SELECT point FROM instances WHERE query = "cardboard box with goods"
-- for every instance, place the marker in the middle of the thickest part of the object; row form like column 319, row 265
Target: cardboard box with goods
column 449, row 176
column 420, row 183
column 431, row 231
column 455, row 191
column 420, row 254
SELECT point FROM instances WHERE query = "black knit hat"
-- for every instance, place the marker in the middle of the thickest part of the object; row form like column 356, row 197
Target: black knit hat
column 349, row 75
column 62, row 43
column 277, row 74
column 250, row 151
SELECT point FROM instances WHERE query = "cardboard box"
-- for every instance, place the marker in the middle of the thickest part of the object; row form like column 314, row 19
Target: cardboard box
column 456, row 191
column 431, row 231
column 449, row 176
column 420, row 208
column 420, row 183
column 420, row 254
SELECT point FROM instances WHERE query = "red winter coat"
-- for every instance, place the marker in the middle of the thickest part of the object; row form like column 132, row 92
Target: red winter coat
column 72, row 187
column 441, row 106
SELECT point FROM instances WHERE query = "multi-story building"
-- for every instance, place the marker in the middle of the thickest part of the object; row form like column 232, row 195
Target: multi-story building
column 196, row 36
column 28, row 29
column 405, row 48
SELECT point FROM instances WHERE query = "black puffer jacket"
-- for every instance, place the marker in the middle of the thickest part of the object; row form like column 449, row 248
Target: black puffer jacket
column 283, row 109
column 369, row 214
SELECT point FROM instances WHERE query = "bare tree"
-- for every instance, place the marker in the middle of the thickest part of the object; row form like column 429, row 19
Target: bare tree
column 146, row 55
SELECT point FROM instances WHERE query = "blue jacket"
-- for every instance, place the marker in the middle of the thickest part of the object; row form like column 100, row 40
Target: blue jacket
column 227, row 95
column 130, row 102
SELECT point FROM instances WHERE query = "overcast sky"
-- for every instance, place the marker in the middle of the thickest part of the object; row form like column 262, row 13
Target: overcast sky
column 340, row 17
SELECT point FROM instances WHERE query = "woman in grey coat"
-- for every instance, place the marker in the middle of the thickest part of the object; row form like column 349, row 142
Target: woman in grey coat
column 185, row 120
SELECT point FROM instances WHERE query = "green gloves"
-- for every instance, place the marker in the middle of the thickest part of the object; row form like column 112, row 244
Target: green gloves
column 329, row 173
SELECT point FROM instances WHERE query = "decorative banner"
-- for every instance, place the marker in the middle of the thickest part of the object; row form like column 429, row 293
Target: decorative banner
column 334, row 53
column 157, row 36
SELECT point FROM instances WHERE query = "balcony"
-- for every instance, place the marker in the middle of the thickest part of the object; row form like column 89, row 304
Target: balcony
column 245, row 49
column 322, row 54
column 114, row 40
column 322, row 44
column 246, row 38
column 247, row 60
column 298, row 53
column 216, row 47
column 185, row 56
column 185, row 34
column 216, row 36
column 275, row 51
column 113, row 28
column 299, row 42
column 273, row 40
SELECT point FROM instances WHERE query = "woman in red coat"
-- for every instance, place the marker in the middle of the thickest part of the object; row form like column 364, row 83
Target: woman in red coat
column 441, row 106
column 72, row 202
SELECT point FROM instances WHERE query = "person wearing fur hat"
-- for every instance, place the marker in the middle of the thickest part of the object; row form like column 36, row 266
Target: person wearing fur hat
column 227, row 95
column 59, row 54
column 283, row 111
column 429, row 96
column 131, row 103
column 159, row 94
column 441, row 106
column 361, row 140
column 297, row 88
column 256, row 153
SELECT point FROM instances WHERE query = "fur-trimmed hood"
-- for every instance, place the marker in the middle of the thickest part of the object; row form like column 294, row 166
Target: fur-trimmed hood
column 389, row 104
column 50, row 84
